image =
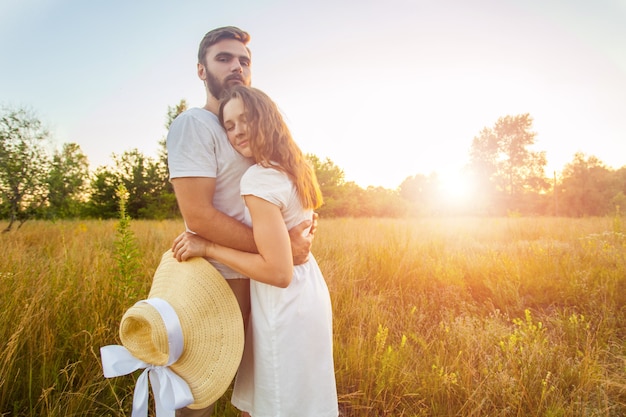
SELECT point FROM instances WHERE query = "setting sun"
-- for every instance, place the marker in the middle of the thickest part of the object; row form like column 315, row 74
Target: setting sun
column 456, row 188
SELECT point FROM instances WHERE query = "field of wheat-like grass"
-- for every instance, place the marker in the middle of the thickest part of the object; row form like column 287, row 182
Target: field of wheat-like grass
column 432, row 317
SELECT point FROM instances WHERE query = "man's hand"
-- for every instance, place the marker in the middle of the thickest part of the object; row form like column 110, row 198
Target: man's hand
column 314, row 224
column 302, row 239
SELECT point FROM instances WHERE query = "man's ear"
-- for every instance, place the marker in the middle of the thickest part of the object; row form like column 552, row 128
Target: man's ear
column 202, row 71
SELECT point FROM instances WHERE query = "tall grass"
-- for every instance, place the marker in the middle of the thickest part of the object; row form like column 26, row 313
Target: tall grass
column 432, row 317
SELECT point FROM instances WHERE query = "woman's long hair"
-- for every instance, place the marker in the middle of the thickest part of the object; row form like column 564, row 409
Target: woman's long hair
column 271, row 142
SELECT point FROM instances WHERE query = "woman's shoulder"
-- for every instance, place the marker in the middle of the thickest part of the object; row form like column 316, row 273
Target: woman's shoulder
column 266, row 173
column 259, row 179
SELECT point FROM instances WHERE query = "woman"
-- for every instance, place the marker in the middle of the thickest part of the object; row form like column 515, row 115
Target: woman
column 287, row 369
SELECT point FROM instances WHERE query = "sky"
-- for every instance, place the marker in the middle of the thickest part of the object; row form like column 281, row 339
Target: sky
column 386, row 90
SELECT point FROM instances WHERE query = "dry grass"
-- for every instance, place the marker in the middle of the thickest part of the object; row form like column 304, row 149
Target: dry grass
column 433, row 317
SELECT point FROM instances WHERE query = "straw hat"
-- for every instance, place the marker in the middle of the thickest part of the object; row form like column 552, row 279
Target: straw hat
column 211, row 324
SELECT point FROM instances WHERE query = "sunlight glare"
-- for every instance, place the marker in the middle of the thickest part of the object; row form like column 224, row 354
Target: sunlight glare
column 456, row 188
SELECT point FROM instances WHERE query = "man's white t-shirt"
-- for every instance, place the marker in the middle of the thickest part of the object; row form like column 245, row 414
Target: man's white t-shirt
column 197, row 146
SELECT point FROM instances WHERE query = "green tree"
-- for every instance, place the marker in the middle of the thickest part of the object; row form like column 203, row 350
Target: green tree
column 329, row 175
column 67, row 182
column 384, row 202
column 619, row 199
column 421, row 193
column 24, row 165
column 143, row 178
column 347, row 201
column 587, row 188
column 333, row 185
column 146, row 180
column 103, row 199
column 507, row 171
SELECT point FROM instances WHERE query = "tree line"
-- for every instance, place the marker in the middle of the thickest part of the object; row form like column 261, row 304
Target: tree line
column 507, row 177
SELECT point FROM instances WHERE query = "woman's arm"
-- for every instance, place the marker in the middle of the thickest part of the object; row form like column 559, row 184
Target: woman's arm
column 195, row 200
column 273, row 264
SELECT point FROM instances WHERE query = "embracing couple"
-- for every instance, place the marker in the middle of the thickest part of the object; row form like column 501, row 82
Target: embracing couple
column 247, row 196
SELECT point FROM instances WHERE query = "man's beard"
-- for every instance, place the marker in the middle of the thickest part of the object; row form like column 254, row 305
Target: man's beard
column 216, row 88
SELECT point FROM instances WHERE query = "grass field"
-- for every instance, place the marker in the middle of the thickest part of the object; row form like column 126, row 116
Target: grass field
column 432, row 317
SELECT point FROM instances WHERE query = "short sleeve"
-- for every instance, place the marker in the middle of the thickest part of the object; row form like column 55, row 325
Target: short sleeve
column 191, row 144
column 267, row 183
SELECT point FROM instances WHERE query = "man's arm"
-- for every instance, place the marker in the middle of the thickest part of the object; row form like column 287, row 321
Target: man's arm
column 195, row 200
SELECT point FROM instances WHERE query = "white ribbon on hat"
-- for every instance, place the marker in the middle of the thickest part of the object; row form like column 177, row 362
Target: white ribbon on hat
column 171, row 392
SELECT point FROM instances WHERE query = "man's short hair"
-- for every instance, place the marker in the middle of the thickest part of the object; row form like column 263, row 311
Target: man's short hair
column 216, row 35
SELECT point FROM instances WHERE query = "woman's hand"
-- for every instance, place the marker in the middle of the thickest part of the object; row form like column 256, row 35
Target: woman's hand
column 188, row 245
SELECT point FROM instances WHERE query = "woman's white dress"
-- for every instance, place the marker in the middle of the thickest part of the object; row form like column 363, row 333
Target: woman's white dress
column 287, row 369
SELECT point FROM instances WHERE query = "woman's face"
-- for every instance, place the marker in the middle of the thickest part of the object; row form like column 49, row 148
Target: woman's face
column 236, row 126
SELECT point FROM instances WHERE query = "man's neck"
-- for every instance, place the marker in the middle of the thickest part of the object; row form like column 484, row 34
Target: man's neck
column 212, row 105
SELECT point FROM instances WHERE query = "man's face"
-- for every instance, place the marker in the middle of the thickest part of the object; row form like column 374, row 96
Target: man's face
column 226, row 63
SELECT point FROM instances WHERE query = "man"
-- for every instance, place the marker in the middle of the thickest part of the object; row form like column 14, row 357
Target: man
column 205, row 170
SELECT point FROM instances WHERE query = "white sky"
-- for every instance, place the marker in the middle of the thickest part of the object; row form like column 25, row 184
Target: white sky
column 385, row 89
